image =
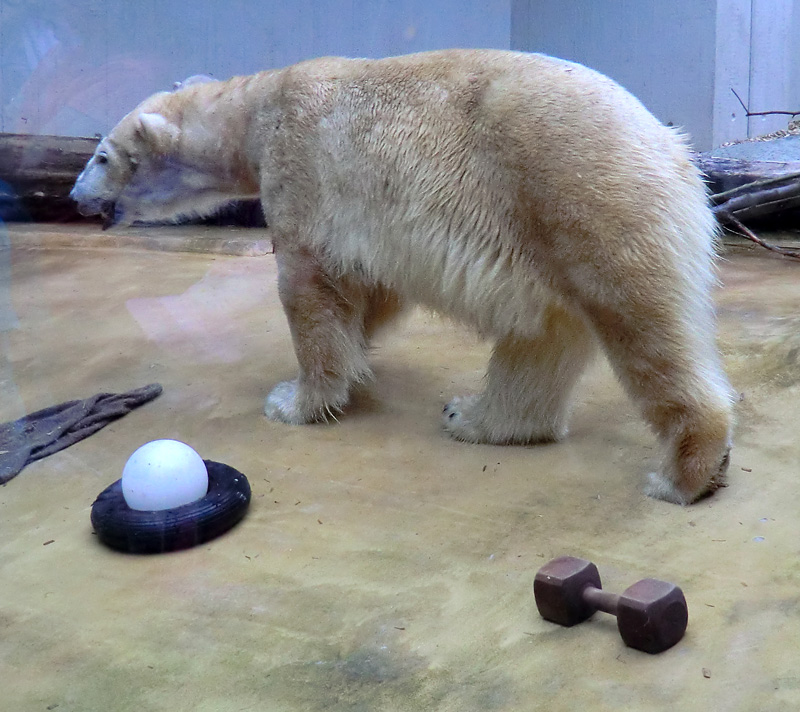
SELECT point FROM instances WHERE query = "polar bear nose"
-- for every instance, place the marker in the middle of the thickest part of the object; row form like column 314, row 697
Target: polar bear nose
column 88, row 205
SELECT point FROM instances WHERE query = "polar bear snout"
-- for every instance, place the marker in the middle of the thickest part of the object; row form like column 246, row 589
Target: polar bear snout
column 90, row 205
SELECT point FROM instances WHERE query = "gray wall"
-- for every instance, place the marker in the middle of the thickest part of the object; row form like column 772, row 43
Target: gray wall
column 758, row 56
column 774, row 61
column 663, row 51
column 680, row 57
column 74, row 67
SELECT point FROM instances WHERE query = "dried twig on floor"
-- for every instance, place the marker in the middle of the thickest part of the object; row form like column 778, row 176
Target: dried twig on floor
column 750, row 235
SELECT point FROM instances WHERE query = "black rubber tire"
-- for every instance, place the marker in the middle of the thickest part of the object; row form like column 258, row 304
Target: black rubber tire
column 140, row 532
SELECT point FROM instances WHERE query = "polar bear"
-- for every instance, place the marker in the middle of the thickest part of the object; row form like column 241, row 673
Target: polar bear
column 527, row 196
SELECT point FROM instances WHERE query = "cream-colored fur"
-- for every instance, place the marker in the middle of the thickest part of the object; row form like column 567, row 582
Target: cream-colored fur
column 527, row 196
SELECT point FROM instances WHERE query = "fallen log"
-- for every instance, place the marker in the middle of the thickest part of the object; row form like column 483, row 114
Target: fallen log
column 752, row 190
column 724, row 174
column 760, row 192
column 37, row 173
column 760, row 199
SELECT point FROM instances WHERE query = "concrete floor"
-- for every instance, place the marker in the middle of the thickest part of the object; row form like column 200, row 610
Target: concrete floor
column 381, row 565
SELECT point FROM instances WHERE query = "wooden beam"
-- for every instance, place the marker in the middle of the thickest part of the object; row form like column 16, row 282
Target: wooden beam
column 37, row 173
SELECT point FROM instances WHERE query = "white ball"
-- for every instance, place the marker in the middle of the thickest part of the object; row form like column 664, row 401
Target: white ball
column 163, row 474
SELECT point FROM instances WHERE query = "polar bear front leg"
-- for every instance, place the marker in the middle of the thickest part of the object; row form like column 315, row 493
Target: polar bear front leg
column 326, row 319
column 529, row 385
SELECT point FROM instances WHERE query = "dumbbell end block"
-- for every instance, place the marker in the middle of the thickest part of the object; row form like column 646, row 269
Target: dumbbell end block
column 652, row 615
column 558, row 589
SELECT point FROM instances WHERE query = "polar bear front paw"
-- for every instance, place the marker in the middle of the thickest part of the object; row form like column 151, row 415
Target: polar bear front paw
column 458, row 419
column 281, row 404
column 660, row 487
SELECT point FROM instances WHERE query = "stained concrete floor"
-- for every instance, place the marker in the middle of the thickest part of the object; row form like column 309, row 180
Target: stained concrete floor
column 381, row 565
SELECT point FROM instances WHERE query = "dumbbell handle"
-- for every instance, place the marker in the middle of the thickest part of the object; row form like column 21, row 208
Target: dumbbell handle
column 601, row 600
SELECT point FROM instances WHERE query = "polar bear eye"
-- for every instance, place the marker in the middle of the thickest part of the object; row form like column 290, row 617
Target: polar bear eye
column 102, row 158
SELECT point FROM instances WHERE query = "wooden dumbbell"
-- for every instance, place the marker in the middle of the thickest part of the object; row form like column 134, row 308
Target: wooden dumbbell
column 651, row 615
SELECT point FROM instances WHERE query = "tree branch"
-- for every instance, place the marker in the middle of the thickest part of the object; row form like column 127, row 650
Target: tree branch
column 747, row 111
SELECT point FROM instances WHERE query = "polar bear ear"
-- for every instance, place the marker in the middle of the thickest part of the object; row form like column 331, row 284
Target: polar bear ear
column 160, row 133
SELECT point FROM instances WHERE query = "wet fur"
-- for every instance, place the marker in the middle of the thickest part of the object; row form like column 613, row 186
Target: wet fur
column 527, row 196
